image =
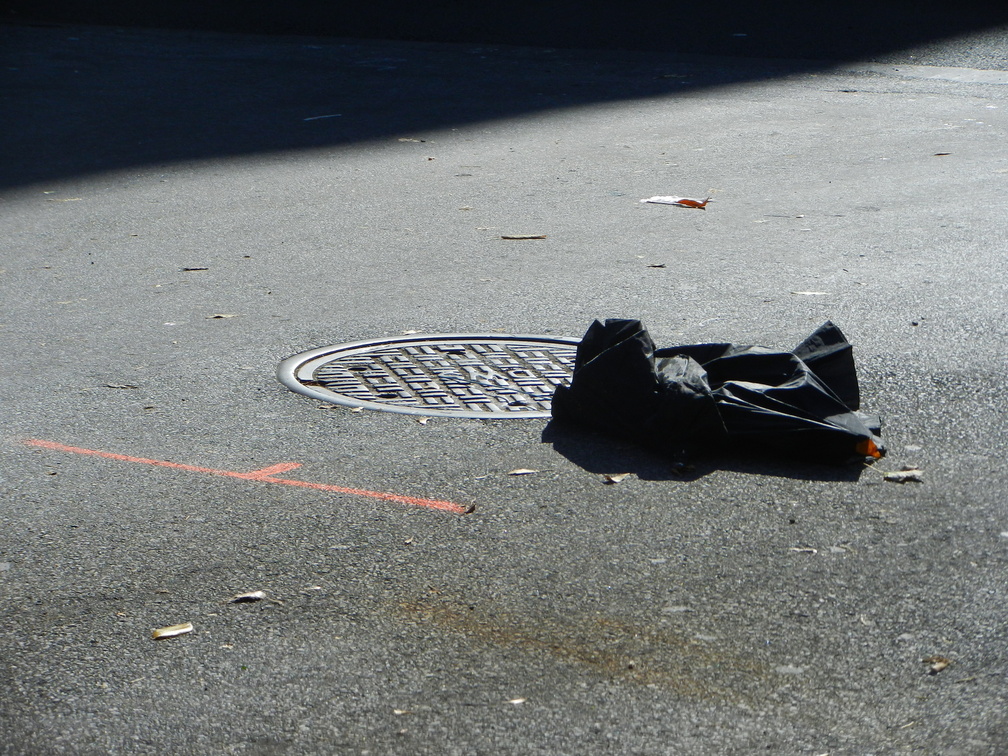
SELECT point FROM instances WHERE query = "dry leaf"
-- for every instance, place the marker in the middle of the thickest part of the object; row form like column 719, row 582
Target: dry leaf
column 811, row 293
column 679, row 201
column 409, row 333
column 400, row 712
column 411, row 139
column 938, row 663
column 517, row 701
column 614, row 478
column 172, row 630
column 522, row 471
column 523, row 236
column 121, row 386
column 221, row 315
column 187, row 270
column 245, row 598
column 907, row 475
column 805, row 549
column 656, row 265
column 423, row 420
column 357, row 409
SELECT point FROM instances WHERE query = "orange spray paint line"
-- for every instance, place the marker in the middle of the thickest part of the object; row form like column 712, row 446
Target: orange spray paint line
column 263, row 475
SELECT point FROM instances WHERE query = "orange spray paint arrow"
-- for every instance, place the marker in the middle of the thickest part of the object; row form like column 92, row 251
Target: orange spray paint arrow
column 264, row 475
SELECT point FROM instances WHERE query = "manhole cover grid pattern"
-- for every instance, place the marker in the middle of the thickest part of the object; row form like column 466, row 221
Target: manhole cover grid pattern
column 463, row 377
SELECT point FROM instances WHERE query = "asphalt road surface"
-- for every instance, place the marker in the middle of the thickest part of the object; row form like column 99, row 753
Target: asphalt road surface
column 181, row 210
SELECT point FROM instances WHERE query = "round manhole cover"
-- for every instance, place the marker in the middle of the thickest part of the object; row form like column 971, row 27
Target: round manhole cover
column 453, row 375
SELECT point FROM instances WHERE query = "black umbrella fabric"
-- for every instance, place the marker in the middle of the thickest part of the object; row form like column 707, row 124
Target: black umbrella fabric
column 703, row 397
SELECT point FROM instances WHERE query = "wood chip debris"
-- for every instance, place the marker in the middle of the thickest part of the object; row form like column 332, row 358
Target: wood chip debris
column 612, row 479
column 172, row 631
column 908, row 474
column 938, row 663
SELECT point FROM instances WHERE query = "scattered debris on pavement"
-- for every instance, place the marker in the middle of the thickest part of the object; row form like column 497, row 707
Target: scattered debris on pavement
column 246, row 598
column 909, row 474
column 679, row 202
column 938, row 663
column 172, row 631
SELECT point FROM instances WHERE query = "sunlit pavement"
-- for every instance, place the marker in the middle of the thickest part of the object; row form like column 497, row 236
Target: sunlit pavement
column 189, row 209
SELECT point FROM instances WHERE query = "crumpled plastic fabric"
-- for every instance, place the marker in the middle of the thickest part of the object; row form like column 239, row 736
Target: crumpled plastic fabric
column 703, row 397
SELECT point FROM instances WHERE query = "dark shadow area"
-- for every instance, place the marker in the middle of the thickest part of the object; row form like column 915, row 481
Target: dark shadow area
column 829, row 29
column 88, row 99
column 80, row 99
column 603, row 455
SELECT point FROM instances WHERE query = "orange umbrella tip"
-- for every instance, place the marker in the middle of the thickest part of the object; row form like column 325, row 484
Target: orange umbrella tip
column 868, row 448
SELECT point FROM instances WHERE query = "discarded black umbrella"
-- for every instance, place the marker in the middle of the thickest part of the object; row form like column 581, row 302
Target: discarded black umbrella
column 711, row 396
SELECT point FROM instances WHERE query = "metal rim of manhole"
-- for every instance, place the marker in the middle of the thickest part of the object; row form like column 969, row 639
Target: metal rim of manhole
column 443, row 375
